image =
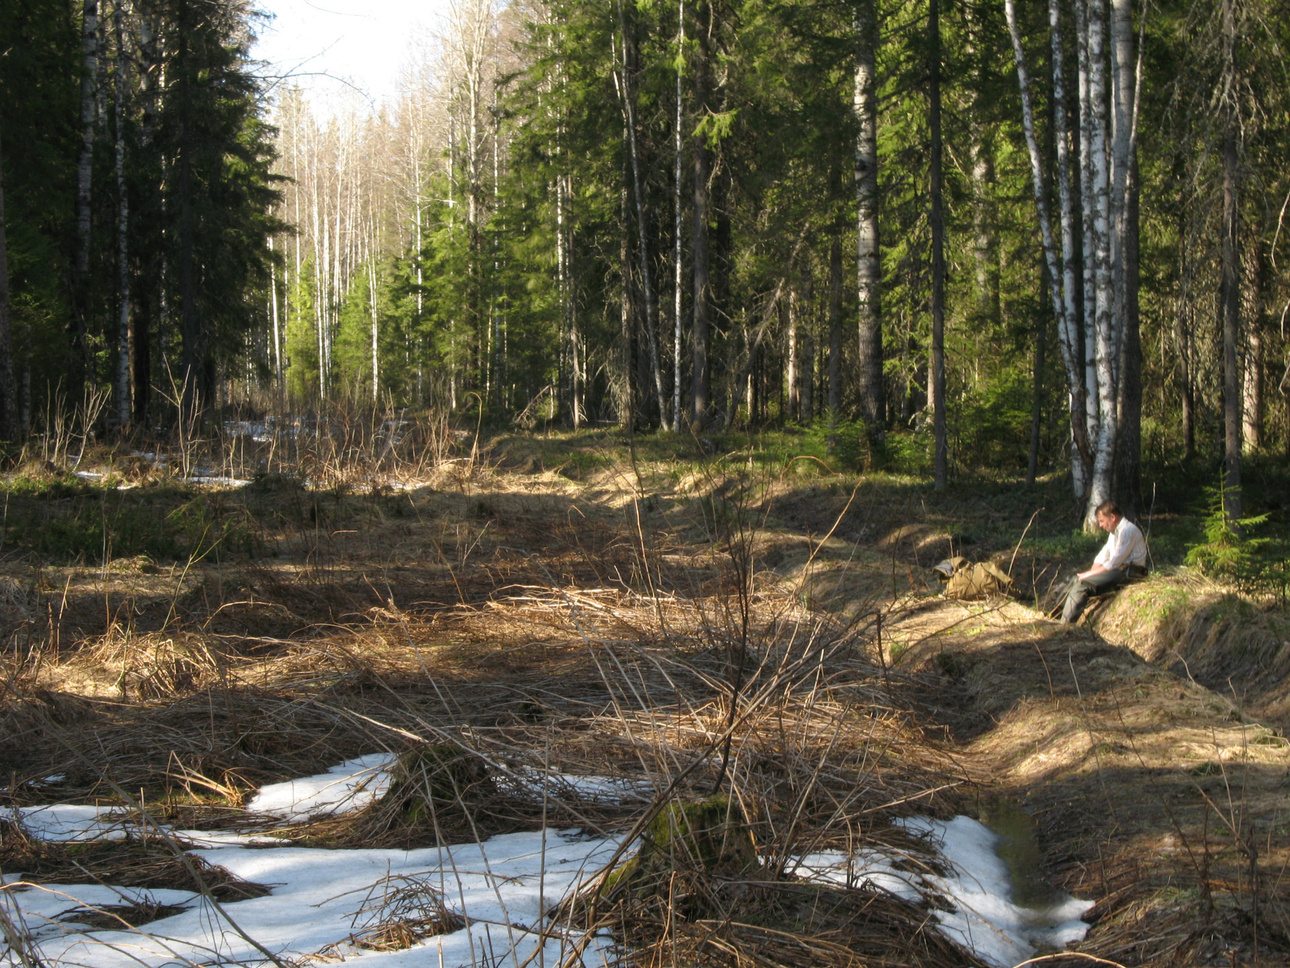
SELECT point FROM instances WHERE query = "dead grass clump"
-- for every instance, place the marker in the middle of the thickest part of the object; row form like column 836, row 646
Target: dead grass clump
column 156, row 666
column 689, row 854
column 129, row 862
column 29, row 720
column 400, row 912
column 1149, row 923
column 438, row 793
column 789, row 924
column 697, row 894
column 113, row 917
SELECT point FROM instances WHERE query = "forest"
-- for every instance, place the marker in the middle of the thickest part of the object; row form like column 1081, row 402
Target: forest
column 513, row 522
column 945, row 236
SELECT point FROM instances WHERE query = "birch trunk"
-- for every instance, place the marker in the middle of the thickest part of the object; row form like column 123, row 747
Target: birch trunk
column 1127, row 78
column 869, row 269
column 1070, row 316
column 274, row 319
column 792, row 409
column 1252, row 371
column 1105, row 325
column 1060, row 273
column 376, row 357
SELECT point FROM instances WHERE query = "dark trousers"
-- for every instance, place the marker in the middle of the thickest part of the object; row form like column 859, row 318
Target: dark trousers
column 1080, row 590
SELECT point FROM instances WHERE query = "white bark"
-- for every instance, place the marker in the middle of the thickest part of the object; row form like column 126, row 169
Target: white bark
column 1106, row 323
column 792, row 376
column 276, row 323
column 1060, row 265
column 869, row 265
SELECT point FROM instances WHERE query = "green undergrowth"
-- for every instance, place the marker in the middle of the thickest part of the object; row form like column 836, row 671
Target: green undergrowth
column 65, row 520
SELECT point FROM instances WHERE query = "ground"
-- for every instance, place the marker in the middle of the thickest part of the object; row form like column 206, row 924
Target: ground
column 701, row 626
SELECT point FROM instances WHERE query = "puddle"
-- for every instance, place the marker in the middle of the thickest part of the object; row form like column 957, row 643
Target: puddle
column 1046, row 910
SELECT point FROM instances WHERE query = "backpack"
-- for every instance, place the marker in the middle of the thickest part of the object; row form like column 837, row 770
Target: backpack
column 964, row 579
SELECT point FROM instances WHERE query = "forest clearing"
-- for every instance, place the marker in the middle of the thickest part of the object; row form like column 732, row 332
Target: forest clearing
column 754, row 645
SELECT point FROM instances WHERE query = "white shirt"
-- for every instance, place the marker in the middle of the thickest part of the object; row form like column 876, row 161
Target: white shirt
column 1125, row 547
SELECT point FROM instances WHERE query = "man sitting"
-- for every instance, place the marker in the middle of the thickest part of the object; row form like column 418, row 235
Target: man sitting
column 1123, row 556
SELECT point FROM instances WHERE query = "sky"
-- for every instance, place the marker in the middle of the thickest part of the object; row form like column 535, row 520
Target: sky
column 323, row 902
column 335, row 47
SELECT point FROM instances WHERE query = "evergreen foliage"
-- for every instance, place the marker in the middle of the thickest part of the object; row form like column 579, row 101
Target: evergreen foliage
column 1232, row 549
column 173, row 93
column 644, row 212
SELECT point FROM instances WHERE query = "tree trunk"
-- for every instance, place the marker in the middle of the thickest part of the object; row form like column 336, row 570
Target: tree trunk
column 1124, row 248
column 1061, row 273
column 1128, row 473
column 937, row 219
column 78, row 364
column 699, row 378
column 678, row 269
column 1252, row 389
column 192, row 396
column 124, row 405
column 1106, row 325
column 628, row 89
column 1229, row 284
column 146, row 319
column 376, row 316
column 792, row 409
column 10, row 424
column 869, row 271
column 835, row 333
column 985, row 246
column 626, row 309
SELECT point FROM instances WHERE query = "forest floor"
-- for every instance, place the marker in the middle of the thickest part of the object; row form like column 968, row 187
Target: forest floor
column 693, row 625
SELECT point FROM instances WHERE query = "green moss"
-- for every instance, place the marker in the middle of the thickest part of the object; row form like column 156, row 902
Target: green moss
column 687, row 839
column 437, row 781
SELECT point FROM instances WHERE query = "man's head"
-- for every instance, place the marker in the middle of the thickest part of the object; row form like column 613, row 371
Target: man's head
column 1108, row 515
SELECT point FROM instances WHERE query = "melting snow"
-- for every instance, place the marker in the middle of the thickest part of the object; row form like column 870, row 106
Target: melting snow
column 349, row 786
column 323, row 901
column 980, row 914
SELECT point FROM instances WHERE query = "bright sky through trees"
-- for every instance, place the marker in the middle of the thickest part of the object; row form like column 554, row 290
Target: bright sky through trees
column 333, row 46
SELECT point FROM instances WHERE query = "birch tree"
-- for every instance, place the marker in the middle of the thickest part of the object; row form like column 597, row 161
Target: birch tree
column 1092, row 331
column 869, row 380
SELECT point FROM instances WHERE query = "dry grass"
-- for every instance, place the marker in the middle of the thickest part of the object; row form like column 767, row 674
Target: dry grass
column 517, row 632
